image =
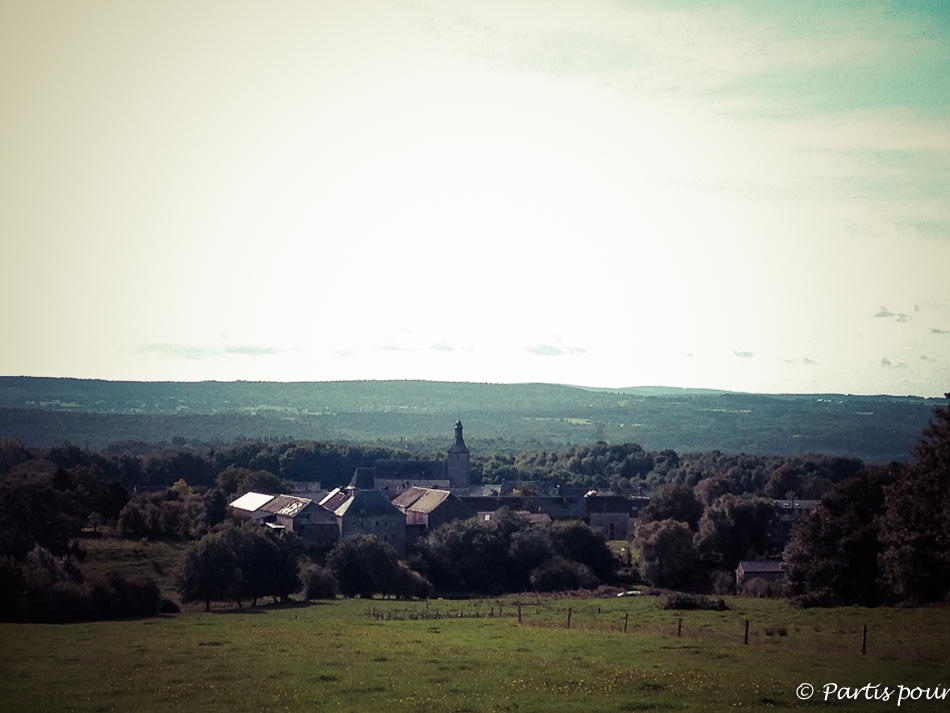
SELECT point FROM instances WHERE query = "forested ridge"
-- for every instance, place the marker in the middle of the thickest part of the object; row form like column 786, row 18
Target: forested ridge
column 502, row 418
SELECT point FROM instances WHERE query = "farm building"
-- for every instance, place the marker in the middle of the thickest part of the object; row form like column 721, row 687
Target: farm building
column 762, row 569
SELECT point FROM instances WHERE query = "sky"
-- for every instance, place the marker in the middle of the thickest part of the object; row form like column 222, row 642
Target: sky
column 734, row 195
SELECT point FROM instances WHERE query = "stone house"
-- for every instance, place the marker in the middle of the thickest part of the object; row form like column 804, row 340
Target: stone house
column 770, row 570
column 370, row 512
column 314, row 524
column 611, row 515
column 428, row 508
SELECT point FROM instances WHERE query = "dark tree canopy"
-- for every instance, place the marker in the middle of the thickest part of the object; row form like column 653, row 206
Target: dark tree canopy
column 835, row 549
column 674, row 502
column 209, row 571
column 667, row 555
column 915, row 527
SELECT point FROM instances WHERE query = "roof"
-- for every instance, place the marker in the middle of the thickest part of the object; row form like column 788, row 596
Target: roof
column 762, row 566
column 421, row 499
column 608, row 504
column 410, row 469
column 334, row 499
column 288, row 505
column 252, row 501
column 367, row 503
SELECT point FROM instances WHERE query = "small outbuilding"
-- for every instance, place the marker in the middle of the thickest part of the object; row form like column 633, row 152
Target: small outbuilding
column 769, row 570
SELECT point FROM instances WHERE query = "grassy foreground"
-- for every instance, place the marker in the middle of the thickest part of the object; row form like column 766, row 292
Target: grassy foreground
column 475, row 656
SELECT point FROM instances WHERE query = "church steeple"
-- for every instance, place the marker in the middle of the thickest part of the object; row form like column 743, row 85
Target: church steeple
column 457, row 463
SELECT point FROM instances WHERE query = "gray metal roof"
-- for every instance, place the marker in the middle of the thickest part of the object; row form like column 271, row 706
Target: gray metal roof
column 367, row 503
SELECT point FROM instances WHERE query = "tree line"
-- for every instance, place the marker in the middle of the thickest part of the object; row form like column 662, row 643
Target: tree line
column 879, row 536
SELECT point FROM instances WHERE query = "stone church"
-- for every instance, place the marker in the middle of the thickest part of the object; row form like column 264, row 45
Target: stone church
column 397, row 476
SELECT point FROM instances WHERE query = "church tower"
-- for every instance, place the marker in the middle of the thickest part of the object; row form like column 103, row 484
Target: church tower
column 457, row 463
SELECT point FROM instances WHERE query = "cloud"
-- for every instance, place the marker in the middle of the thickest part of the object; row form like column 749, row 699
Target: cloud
column 934, row 330
column 744, row 354
column 805, row 360
column 443, row 347
column 545, row 350
column 888, row 364
column 934, row 229
column 899, row 317
column 189, row 351
column 550, row 350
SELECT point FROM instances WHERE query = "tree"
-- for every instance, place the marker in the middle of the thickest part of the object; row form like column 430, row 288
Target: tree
column 527, row 551
column 667, row 556
column 216, row 507
column 575, row 541
column 559, row 574
column 466, row 556
column 209, row 570
column 834, row 551
column 782, row 481
column 319, row 583
column 36, row 507
column 915, row 526
column 673, row 502
column 733, row 528
column 364, row 565
column 708, row 490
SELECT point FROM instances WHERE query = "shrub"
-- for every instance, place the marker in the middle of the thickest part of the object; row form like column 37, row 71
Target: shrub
column 825, row 597
column 559, row 575
column 319, row 583
column 761, row 588
column 678, row 600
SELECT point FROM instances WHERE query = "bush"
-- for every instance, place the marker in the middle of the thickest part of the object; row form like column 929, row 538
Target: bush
column 761, row 588
column 723, row 582
column 825, row 597
column 560, row 575
column 319, row 583
column 677, row 600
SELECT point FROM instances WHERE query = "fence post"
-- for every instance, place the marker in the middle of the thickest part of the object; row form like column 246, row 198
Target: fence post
column 568, row 617
column 519, row 612
column 626, row 618
column 746, row 631
column 864, row 640
column 679, row 628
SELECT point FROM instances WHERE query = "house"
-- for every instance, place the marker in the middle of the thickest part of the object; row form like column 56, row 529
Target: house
column 610, row 514
column 317, row 526
column 762, row 569
column 427, row 508
column 341, row 513
column 370, row 512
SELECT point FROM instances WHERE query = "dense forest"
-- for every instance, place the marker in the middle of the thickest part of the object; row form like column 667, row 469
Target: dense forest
column 499, row 418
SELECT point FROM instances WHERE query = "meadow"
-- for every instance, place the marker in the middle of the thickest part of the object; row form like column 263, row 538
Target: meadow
column 475, row 655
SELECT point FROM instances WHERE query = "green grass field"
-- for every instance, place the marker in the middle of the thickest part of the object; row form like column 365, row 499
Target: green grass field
column 386, row 655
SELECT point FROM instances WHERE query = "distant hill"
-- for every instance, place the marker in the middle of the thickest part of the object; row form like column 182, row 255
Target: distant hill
column 47, row 411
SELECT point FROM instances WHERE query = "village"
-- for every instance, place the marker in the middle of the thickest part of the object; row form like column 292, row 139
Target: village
column 401, row 501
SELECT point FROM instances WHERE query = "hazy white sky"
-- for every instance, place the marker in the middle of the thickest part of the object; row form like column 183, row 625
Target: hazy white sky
column 744, row 195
